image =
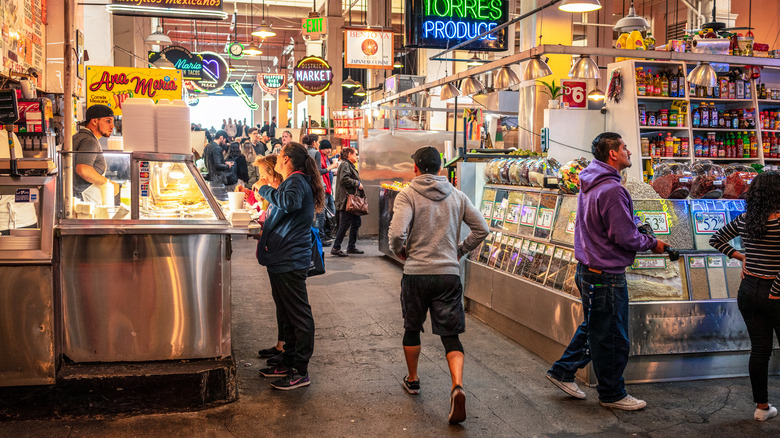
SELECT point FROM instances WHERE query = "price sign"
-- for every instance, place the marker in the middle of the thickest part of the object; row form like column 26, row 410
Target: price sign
column 528, row 216
column 733, row 263
column 649, row 263
column 549, row 251
column 545, row 218
column 575, row 94
column 567, row 256
column 487, row 208
column 558, row 253
column 658, row 220
column 532, row 248
column 499, row 210
column 570, row 224
column 709, row 222
column 526, row 244
column 715, row 262
column 512, row 214
column 696, row 262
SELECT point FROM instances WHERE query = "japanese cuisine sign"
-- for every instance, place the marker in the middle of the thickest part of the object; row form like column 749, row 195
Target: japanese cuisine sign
column 368, row 48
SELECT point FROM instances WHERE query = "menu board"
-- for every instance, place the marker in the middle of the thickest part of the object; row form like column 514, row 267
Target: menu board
column 23, row 39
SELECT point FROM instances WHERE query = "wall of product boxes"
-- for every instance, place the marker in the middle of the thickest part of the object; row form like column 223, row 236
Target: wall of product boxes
column 532, row 238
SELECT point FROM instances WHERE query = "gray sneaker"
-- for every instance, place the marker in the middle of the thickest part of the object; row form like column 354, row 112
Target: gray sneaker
column 627, row 403
column 570, row 388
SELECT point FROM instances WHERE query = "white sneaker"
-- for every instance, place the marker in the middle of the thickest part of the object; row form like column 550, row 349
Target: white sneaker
column 765, row 414
column 570, row 388
column 627, row 403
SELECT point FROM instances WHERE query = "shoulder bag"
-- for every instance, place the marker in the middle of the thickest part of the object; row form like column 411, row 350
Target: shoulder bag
column 357, row 204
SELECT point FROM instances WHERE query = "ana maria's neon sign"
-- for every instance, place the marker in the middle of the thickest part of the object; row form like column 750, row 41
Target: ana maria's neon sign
column 443, row 23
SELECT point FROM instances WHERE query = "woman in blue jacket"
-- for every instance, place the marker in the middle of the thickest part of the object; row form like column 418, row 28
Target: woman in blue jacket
column 285, row 250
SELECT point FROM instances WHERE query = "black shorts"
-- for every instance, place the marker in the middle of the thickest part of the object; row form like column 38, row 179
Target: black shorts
column 442, row 294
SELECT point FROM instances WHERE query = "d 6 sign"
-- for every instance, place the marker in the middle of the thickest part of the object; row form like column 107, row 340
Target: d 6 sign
column 575, row 94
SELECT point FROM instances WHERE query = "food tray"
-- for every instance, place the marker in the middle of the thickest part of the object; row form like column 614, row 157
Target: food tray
column 670, row 220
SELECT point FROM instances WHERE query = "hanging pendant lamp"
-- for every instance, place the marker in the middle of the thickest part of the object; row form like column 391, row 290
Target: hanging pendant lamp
column 263, row 31
column 253, row 50
column 268, row 98
column 596, row 94
column 350, row 83
column 471, row 86
column 448, row 91
column 474, row 61
column 536, row 69
column 703, row 75
column 585, row 68
column 580, row 5
column 631, row 22
column 360, row 91
column 158, row 37
column 505, row 78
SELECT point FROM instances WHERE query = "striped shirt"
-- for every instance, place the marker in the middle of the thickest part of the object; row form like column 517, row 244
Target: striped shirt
column 762, row 256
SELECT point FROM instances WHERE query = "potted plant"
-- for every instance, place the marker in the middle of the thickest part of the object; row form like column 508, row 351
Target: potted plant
column 552, row 90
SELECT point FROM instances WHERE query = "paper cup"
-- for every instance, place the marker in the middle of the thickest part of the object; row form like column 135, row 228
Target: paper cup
column 236, row 200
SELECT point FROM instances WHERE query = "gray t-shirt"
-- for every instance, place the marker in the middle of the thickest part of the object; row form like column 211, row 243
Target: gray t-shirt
column 85, row 141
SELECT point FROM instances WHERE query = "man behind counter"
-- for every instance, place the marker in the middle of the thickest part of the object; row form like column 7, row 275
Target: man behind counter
column 90, row 167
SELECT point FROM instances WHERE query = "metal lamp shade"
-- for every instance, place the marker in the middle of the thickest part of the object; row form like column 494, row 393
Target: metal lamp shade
column 263, row 31
column 536, row 69
column 596, row 94
column 580, row 5
column 360, row 91
column 471, row 86
column 158, row 37
column 448, row 91
column 268, row 98
column 703, row 75
column 350, row 83
column 505, row 78
column 253, row 50
column 585, row 68
column 631, row 22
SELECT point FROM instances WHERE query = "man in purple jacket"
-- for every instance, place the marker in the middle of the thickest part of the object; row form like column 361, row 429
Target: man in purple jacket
column 606, row 240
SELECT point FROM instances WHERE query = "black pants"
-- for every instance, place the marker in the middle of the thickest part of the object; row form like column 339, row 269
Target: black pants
column 293, row 314
column 762, row 318
column 347, row 221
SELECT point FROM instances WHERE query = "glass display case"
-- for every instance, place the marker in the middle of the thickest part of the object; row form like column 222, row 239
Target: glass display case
column 26, row 218
column 144, row 187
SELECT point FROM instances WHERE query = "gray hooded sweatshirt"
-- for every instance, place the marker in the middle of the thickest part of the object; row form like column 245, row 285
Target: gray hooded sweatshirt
column 426, row 225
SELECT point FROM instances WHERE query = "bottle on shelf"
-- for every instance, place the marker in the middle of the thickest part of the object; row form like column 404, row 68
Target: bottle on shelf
column 696, row 117
column 680, row 82
column 766, row 144
column 705, row 115
column 714, row 117
column 668, row 145
column 641, row 89
column 635, row 40
column 649, row 41
column 664, row 85
column 657, row 85
column 753, row 145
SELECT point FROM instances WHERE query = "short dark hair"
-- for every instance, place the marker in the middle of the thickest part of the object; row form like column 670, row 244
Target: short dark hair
column 220, row 133
column 251, row 130
column 603, row 143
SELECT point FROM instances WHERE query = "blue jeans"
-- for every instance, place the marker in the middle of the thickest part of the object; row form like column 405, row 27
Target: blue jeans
column 603, row 335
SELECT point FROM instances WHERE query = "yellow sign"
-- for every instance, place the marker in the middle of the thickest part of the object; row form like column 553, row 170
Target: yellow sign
column 314, row 26
column 111, row 86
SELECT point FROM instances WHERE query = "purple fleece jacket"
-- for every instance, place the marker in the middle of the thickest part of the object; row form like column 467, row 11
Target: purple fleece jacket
column 605, row 236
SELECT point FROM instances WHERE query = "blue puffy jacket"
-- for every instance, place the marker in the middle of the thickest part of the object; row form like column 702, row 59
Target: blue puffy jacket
column 285, row 244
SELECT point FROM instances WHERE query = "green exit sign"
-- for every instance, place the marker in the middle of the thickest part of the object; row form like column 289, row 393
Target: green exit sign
column 314, row 26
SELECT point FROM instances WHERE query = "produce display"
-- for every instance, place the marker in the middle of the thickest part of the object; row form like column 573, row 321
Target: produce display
column 738, row 179
column 504, row 171
column 569, row 175
column 544, row 167
column 708, row 180
column 672, row 180
column 522, row 172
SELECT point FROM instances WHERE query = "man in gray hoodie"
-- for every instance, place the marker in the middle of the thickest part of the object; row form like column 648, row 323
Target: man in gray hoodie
column 424, row 232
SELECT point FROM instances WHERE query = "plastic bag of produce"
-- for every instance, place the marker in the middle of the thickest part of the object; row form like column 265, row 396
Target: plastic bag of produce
column 522, row 173
column 569, row 175
column 672, row 180
column 738, row 179
column 504, row 171
column 489, row 170
column 544, row 167
column 514, row 170
column 708, row 180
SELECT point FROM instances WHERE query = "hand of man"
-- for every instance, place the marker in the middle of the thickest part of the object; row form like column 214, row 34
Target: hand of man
column 659, row 247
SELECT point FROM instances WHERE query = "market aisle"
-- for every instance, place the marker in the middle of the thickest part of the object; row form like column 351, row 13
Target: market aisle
column 358, row 365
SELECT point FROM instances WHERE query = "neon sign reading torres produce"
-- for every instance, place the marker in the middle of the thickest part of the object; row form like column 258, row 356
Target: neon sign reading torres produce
column 444, row 23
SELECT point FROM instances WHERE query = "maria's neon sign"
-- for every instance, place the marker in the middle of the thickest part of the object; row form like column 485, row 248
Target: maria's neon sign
column 444, row 23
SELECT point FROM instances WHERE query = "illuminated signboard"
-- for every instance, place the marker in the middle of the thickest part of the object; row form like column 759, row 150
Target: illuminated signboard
column 111, row 86
column 368, row 48
column 189, row 9
column 214, row 72
column 236, row 86
column 439, row 24
column 271, row 82
column 181, row 58
column 314, row 26
column 313, row 75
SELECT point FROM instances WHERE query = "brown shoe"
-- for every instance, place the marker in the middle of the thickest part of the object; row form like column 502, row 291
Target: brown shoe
column 457, row 406
column 338, row 252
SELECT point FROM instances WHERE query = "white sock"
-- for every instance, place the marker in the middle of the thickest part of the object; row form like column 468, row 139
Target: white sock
column 765, row 414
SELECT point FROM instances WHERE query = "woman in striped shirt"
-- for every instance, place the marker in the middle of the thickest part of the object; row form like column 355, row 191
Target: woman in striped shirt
column 759, row 292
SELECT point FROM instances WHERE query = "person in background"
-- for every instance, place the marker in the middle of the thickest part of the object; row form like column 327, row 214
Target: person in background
column 312, row 146
column 264, row 129
column 214, row 159
column 285, row 249
column 272, row 128
column 606, row 240
column 326, row 166
column 424, row 231
column 276, row 146
column 245, row 132
column 260, row 147
column 249, row 154
column 286, row 137
column 90, row 165
column 224, row 124
column 231, row 129
column 758, row 298
column 348, row 183
column 239, row 167
column 239, row 131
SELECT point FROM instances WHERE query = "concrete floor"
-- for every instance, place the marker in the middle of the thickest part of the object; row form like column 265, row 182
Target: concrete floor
column 358, row 366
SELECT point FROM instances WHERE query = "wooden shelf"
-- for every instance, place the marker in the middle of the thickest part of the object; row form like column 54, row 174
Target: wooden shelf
column 725, row 159
column 661, row 98
column 777, row 102
column 667, row 158
column 770, row 130
column 712, row 99
column 723, row 130
column 663, row 128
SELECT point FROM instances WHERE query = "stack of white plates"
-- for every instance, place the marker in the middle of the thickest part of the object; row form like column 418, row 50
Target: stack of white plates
column 115, row 143
column 173, row 127
column 19, row 243
column 138, row 125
